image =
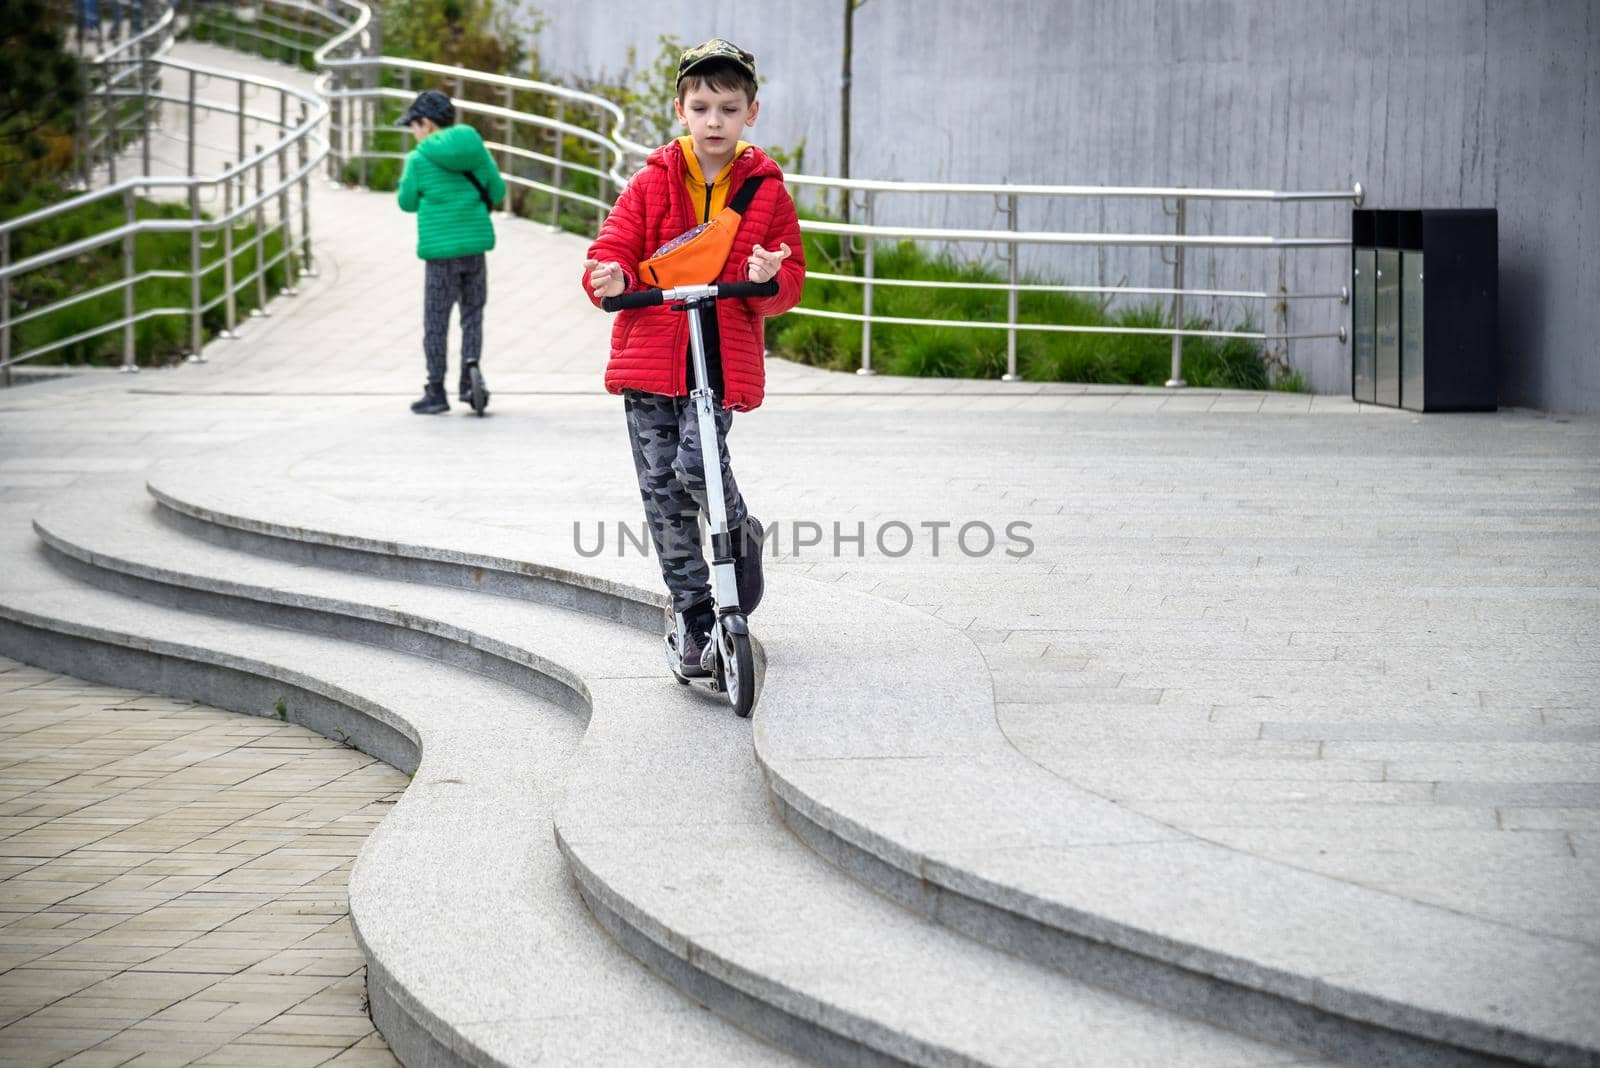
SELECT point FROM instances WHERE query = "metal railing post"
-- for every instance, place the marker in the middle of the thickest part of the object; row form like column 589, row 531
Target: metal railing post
column 129, row 267
column 193, row 82
column 85, row 162
column 308, row 263
column 1176, row 381
column 335, row 127
column 363, row 134
column 285, row 214
column 261, row 238
column 144, row 111
column 868, row 260
column 556, row 170
column 5, row 308
column 196, row 316
column 1011, row 293
column 508, row 131
column 239, row 139
column 229, row 302
column 111, row 132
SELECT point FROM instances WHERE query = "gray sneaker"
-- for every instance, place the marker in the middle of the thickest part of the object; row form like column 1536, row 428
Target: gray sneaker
column 697, row 622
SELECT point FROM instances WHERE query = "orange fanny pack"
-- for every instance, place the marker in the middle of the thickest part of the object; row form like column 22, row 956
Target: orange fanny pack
column 697, row 257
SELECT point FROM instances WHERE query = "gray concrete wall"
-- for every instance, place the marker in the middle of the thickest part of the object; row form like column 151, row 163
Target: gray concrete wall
column 1437, row 103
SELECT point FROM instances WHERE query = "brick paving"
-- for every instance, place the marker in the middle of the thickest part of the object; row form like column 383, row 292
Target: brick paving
column 172, row 883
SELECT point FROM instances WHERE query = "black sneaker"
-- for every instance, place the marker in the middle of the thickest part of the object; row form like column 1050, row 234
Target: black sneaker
column 433, row 400
column 697, row 621
column 747, row 550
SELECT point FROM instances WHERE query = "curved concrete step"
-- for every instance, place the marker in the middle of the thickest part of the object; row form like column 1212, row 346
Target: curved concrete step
column 916, row 791
column 478, row 952
column 667, row 828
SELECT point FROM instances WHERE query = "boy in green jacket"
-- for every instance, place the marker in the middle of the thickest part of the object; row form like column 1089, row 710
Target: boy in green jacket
column 451, row 182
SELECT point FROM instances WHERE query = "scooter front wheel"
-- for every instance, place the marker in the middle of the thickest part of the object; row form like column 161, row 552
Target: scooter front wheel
column 739, row 674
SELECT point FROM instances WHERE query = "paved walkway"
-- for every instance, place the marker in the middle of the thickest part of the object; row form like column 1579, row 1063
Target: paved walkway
column 172, row 882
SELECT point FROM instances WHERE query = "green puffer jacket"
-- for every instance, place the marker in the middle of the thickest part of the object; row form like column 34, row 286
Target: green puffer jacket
column 451, row 219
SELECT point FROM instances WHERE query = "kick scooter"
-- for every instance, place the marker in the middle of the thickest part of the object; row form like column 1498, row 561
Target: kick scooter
column 728, row 656
column 477, row 393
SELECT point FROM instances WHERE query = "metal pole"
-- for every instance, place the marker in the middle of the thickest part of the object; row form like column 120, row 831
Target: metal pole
column 239, row 140
column 144, row 110
column 285, row 215
column 5, row 308
column 196, row 324
column 364, row 112
column 866, row 293
column 335, row 126
column 85, row 164
column 227, row 261
column 1176, row 381
column 128, row 269
column 308, row 265
column 111, row 130
column 557, row 170
column 261, row 238
column 1281, row 310
column 193, row 77
column 508, row 130
column 1011, row 295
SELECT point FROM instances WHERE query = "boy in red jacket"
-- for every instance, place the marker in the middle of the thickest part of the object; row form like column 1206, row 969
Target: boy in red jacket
column 684, row 183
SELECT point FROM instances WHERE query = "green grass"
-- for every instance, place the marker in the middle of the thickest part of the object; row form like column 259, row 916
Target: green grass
column 959, row 352
column 158, row 340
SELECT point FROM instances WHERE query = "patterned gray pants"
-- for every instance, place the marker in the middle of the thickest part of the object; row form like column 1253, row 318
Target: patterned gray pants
column 672, row 481
column 463, row 279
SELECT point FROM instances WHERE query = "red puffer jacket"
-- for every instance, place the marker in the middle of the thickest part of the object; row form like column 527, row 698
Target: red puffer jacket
column 649, row 346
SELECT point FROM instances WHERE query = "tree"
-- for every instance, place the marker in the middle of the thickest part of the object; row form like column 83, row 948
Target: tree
column 39, row 94
column 845, row 79
column 458, row 33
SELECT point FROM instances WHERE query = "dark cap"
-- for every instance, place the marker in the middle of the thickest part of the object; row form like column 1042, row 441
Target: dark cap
column 716, row 48
column 429, row 104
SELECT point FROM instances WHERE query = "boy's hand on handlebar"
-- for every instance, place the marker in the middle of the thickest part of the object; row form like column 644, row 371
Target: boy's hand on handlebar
column 764, row 265
column 605, row 279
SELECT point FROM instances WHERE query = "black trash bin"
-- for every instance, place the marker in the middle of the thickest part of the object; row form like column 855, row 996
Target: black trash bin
column 1425, row 308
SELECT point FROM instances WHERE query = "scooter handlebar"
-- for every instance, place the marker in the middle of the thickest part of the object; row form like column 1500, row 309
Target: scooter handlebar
column 639, row 298
column 649, row 298
column 746, row 290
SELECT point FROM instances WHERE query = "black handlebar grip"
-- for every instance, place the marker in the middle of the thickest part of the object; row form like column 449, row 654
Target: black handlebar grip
column 744, row 290
column 639, row 298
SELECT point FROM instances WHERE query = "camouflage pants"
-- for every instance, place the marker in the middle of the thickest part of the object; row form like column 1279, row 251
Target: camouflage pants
column 666, row 456
column 447, row 282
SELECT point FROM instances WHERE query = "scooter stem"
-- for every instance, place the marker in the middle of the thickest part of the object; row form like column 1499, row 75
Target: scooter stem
column 724, row 584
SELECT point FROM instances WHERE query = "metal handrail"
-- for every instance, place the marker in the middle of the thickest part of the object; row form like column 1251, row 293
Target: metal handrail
column 1054, row 237
column 354, row 116
column 1152, row 192
column 128, row 73
column 1176, row 243
column 350, row 84
column 1011, row 239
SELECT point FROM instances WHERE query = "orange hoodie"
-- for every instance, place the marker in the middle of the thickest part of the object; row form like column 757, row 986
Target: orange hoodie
column 710, row 197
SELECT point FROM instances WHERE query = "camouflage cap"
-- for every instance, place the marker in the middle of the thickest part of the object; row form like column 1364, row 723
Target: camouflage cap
column 716, row 48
